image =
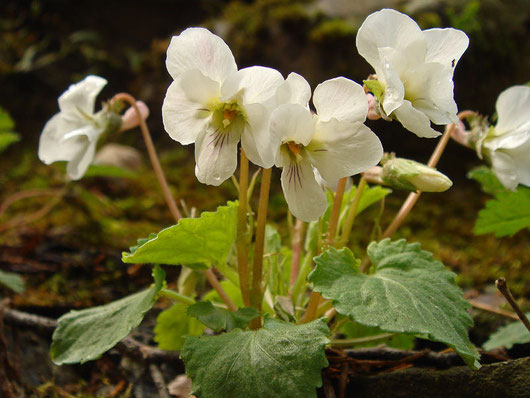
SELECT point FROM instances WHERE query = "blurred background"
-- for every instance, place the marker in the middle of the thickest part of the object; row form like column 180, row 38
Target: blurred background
column 47, row 45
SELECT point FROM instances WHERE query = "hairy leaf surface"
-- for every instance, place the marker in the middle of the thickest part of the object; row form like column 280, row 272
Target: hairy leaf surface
column 194, row 242
column 507, row 336
column 173, row 324
column 84, row 335
column 281, row 360
column 409, row 292
column 221, row 319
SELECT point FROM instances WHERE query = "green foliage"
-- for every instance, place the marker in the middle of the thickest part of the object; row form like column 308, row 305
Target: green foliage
column 173, row 324
column 231, row 289
column 354, row 330
column 103, row 170
column 219, row 319
column 505, row 215
column 276, row 263
column 409, row 292
column 376, row 88
column 281, row 360
column 84, row 335
column 12, row 281
column 194, row 242
column 7, row 135
column 370, row 195
column 507, row 336
column 487, row 179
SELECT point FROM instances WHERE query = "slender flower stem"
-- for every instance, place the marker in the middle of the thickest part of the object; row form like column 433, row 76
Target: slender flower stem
column 505, row 290
column 335, row 212
column 488, row 308
column 242, row 242
column 352, row 212
column 413, row 197
column 296, row 246
column 219, row 289
column 312, row 307
column 256, row 295
column 361, row 340
column 173, row 295
column 170, row 201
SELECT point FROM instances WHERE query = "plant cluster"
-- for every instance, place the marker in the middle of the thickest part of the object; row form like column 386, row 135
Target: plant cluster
column 273, row 308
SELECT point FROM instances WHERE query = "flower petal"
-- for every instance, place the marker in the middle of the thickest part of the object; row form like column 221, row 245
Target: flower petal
column 340, row 149
column 430, row 89
column 78, row 165
column 292, row 122
column 82, row 95
column 184, row 109
column 198, row 48
column 394, row 89
column 305, row 197
column 215, row 156
column 256, row 84
column 259, row 144
column 445, row 46
column 342, row 99
column 513, row 108
column 415, row 121
column 510, row 140
column 504, row 168
column 389, row 28
column 294, row 90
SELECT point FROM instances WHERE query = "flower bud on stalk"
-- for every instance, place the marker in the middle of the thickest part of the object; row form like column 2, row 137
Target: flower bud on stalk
column 409, row 175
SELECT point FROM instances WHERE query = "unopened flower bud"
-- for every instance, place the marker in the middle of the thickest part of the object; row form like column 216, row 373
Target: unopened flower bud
column 372, row 112
column 409, row 175
column 130, row 118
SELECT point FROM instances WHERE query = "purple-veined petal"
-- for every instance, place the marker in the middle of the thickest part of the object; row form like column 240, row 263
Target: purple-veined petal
column 215, row 156
column 342, row 99
column 303, row 194
column 198, row 48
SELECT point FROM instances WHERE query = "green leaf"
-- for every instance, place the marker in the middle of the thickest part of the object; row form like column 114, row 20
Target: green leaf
column 354, row 330
column 85, row 335
column 221, row 319
column 173, row 324
column 194, row 242
column 370, row 195
column 140, row 242
column 487, row 179
column 409, row 292
column 7, row 138
column 505, row 215
column 279, row 360
column 12, row 281
column 6, row 123
column 376, row 88
column 104, row 170
column 232, row 290
column 507, row 336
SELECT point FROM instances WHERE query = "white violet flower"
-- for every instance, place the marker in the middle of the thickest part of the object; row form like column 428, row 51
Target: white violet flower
column 212, row 104
column 72, row 134
column 414, row 69
column 334, row 141
column 508, row 143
